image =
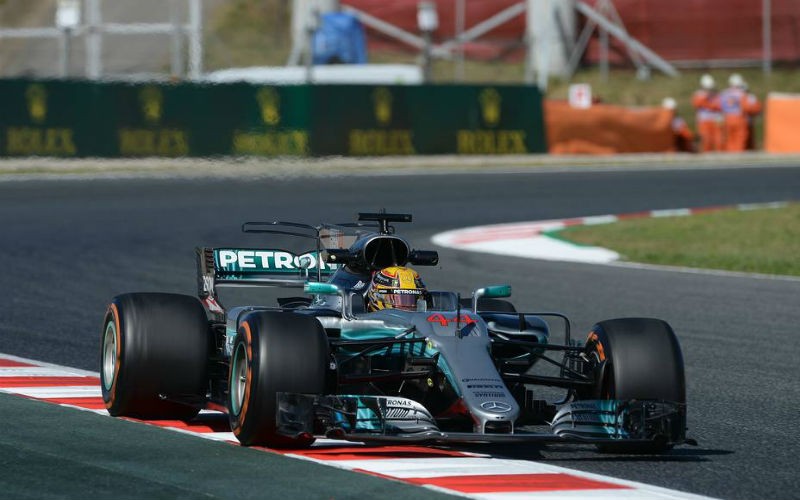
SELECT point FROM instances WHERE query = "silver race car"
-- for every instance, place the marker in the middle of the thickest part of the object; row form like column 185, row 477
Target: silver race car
column 441, row 369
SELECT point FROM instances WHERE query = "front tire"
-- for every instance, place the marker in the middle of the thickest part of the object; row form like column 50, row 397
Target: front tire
column 636, row 358
column 154, row 356
column 274, row 352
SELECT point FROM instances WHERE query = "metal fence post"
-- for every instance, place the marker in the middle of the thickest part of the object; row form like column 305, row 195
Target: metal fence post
column 94, row 48
column 64, row 52
column 176, row 61
column 195, row 39
column 766, row 27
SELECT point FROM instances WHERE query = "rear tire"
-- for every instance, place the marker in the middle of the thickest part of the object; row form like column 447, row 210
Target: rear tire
column 274, row 352
column 637, row 358
column 154, row 356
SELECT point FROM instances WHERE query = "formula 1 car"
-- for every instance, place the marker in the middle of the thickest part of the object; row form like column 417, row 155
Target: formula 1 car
column 454, row 370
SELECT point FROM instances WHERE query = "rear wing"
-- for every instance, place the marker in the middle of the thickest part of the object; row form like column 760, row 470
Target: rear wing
column 258, row 267
column 280, row 267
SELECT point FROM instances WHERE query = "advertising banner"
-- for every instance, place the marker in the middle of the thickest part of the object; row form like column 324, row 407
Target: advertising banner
column 358, row 120
column 113, row 119
column 46, row 118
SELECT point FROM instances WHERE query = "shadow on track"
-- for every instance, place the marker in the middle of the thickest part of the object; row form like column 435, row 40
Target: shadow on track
column 587, row 453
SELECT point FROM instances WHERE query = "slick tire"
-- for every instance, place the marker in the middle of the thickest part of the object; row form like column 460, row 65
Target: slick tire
column 154, row 356
column 637, row 358
column 274, row 352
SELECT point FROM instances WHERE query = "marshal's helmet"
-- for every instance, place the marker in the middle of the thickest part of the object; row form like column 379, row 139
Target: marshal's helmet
column 395, row 288
column 707, row 82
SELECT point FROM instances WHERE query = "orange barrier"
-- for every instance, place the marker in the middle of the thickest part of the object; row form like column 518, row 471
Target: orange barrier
column 782, row 123
column 607, row 129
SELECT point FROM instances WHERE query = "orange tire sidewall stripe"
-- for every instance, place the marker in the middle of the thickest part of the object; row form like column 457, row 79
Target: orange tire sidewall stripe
column 244, row 330
column 112, row 309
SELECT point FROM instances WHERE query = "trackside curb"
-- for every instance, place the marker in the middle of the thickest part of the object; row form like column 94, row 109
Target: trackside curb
column 471, row 475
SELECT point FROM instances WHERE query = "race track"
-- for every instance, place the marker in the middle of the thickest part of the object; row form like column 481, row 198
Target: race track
column 68, row 246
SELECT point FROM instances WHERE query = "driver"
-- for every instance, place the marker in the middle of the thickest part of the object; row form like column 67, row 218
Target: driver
column 395, row 288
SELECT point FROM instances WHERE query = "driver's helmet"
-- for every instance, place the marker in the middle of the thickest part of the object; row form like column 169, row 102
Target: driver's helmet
column 395, row 288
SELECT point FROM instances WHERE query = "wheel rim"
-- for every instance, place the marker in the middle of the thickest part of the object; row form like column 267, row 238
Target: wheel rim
column 238, row 379
column 109, row 355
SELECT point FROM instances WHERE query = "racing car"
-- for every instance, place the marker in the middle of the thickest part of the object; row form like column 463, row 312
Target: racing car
column 448, row 370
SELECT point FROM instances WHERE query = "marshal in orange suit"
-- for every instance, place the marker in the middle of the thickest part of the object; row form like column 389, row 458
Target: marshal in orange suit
column 709, row 115
column 739, row 108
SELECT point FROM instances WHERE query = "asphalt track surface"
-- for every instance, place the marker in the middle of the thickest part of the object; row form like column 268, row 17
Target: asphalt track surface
column 68, row 246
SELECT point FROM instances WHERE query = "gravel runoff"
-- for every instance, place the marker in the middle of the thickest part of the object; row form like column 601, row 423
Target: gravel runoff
column 38, row 168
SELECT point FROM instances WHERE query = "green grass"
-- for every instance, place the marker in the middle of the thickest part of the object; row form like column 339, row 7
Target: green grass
column 757, row 241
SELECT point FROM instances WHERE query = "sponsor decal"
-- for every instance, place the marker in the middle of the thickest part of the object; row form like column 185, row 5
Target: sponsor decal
column 271, row 142
column 399, row 291
column 152, row 139
column 490, row 106
column 269, row 102
column 440, row 318
column 489, row 394
column 585, row 418
column 26, row 141
column 36, row 95
column 491, row 142
column 208, row 285
column 384, row 138
column 151, row 101
column 376, row 142
column 157, row 142
column 485, row 386
column 39, row 139
column 382, row 97
column 496, row 406
column 399, row 402
column 274, row 261
column 497, row 380
column 213, row 306
column 267, row 140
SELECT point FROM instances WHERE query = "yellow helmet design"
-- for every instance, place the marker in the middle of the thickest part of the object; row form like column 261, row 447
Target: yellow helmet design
column 395, row 288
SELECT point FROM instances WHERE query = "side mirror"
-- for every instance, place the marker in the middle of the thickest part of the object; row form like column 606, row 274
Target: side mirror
column 314, row 288
column 423, row 257
column 490, row 292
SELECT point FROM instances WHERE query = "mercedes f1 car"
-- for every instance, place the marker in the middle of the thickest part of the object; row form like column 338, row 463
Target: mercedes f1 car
column 452, row 370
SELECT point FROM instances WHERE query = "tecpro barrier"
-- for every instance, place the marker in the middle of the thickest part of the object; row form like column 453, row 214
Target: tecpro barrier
column 79, row 119
column 782, row 125
column 607, row 129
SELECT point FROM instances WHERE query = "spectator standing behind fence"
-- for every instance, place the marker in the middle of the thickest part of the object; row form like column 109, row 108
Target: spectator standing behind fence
column 739, row 108
column 684, row 138
column 709, row 117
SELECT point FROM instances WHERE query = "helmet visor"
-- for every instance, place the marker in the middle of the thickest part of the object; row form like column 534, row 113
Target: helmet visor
column 400, row 298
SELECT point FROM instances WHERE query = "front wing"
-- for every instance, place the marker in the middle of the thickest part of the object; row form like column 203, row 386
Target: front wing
column 384, row 419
